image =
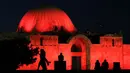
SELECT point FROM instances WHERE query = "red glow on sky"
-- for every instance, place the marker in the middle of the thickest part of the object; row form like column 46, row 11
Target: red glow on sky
column 44, row 20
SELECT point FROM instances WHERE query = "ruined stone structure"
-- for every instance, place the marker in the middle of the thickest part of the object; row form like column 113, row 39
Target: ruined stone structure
column 110, row 48
column 78, row 50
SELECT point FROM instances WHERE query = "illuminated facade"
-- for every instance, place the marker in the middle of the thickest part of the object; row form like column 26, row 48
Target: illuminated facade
column 110, row 47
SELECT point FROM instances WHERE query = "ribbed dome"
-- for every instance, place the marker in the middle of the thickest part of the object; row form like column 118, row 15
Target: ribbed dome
column 45, row 20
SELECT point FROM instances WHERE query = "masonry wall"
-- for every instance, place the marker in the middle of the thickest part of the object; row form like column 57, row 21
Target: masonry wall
column 104, row 50
column 126, row 56
column 111, row 54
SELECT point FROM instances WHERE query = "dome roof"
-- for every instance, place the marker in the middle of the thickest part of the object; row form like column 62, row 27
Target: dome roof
column 45, row 20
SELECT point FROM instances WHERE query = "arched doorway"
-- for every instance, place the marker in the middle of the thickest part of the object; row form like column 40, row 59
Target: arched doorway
column 83, row 54
column 76, row 60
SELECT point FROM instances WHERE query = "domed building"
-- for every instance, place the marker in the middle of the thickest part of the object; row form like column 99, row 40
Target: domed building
column 78, row 50
column 45, row 20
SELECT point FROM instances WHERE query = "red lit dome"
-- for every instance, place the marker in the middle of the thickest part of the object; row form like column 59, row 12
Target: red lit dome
column 45, row 20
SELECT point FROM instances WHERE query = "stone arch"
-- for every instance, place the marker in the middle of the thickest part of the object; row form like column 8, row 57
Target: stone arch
column 86, row 50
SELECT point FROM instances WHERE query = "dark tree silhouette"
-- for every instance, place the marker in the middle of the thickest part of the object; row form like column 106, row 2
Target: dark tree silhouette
column 16, row 53
column 55, row 29
column 63, row 35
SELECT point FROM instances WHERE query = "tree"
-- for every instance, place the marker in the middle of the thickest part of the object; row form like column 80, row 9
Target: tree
column 63, row 35
column 17, row 52
column 121, row 33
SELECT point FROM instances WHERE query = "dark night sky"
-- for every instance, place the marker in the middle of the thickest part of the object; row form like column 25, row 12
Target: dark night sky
column 104, row 16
